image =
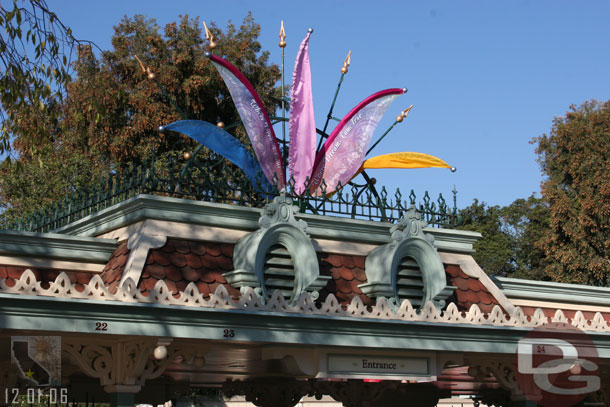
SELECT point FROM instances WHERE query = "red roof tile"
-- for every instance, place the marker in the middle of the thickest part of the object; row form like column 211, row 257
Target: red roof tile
column 44, row 276
column 114, row 268
column 193, row 260
column 197, row 248
column 190, row 274
column 159, row 258
column 359, row 274
column 214, row 250
column 15, row 272
column 180, row 262
column 227, row 250
column 346, row 272
column 469, row 290
column 182, row 246
column 177, row 259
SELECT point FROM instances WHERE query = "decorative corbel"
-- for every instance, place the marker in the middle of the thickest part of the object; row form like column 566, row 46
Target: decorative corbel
column 140, row 243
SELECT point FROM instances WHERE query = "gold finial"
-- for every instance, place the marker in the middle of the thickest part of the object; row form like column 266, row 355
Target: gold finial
column 406, row 111
column 347, row 61
column 282, row 36
column 146, row 69
column 187, row 155
column 220, row 124
column 209, row 36
column 403, row 114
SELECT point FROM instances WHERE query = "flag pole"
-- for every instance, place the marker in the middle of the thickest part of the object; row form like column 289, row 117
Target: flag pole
column 329, row 116
column 282, row 45
column 399, row 119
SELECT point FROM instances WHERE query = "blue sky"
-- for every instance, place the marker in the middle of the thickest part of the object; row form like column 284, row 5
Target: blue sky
column 485, row 77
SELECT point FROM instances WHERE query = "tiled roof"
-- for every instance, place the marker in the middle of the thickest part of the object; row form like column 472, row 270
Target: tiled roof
column 180, row 262
column 111, row 275
column 203, row 263
column 469, row 290
column 347, row 273
column 12, row 273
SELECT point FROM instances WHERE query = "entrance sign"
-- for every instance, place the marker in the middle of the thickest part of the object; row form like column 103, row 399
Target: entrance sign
column 370, row 365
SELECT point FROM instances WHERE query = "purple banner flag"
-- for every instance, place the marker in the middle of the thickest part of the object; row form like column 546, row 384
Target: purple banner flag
column 255, row 120
column 344, row 150
column 302, row 125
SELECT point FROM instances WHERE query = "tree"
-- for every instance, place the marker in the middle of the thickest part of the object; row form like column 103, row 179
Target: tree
column 510, row 237
column 575, row 158
column 526, row 221
column 112, row 110
column 495, row 251
column 35, row 55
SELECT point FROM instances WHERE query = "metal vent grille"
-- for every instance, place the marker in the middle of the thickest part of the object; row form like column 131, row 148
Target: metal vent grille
column 409, row 282
column 279, row 271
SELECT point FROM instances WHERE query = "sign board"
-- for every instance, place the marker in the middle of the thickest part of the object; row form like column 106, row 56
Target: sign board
column 370, row 365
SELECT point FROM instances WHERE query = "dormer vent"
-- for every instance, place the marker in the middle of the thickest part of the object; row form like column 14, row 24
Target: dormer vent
column 278, row 256
column 409, row 281
column 278, row 271
column 408, row 268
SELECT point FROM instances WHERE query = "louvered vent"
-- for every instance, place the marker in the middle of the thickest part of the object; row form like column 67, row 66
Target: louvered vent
column 279, row 271
column 409, row 282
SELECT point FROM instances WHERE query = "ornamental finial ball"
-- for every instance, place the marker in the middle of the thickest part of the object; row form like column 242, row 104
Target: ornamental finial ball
column 405, row 90
column 453, row 169
column 160, row 352
column 282, row 44
column 220, row 124
column 207, row 54
column 212, row 44
column 343, row 69
column 399, row 118
column 310, row 30
column 187, row 155
column 151, row 75
column 161, row 129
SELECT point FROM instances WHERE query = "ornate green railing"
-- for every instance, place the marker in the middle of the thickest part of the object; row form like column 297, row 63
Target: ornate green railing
column 212, row 180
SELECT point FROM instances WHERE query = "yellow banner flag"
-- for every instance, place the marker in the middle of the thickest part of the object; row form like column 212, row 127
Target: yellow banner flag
column 405, row 160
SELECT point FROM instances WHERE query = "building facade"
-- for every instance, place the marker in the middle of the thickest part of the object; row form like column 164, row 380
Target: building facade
column 155, row 297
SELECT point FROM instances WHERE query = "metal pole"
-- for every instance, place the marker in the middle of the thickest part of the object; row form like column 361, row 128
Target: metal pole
column 282, row 45
column 329, row 116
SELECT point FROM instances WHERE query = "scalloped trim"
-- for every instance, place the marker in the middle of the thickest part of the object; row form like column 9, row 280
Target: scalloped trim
column 250, row 301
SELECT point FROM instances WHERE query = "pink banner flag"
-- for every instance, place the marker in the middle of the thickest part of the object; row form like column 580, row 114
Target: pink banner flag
column 302, row 125
column 255, row 120
column 344, row 150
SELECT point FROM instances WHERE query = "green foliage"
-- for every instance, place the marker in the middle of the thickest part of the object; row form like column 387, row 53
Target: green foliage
column 35, row 56
column 112, row 109
column 494, row 252
column 510, row 236
column 575, row 157
column 526, row 220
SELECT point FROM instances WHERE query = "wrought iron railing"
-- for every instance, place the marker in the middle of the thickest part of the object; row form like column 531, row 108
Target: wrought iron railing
column 214, row 180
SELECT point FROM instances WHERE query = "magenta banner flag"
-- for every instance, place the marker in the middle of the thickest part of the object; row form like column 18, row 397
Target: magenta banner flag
column 344, row 150
column 255, row 120
column 302, row 125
